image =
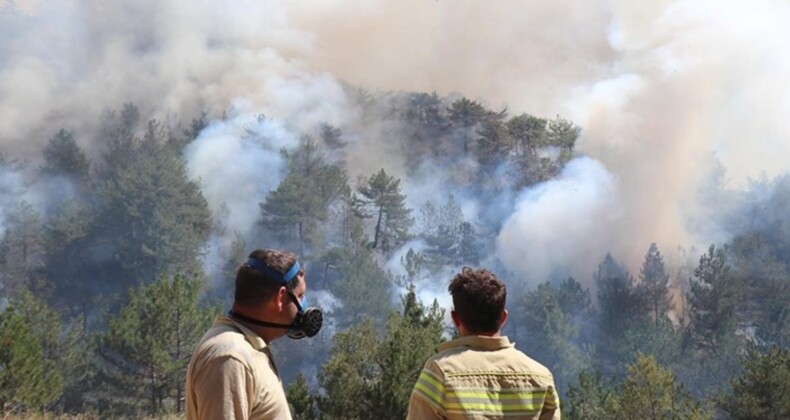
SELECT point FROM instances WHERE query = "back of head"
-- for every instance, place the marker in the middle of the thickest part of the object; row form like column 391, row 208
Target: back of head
column 253, row 288
column 478, row 299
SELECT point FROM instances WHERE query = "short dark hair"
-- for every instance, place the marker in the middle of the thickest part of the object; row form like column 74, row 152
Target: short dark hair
column 253, row 288
column 478, row 299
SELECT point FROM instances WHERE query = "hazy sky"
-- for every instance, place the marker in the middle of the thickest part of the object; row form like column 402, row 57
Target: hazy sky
column 670, row 95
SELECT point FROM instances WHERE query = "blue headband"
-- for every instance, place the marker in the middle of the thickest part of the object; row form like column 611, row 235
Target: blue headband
column 272, row 273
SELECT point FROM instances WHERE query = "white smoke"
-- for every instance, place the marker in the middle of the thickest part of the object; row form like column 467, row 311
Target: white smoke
column 666, row 93
column 568, row 217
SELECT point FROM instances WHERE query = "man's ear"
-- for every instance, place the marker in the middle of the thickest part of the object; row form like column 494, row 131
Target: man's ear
column 282, row 298
column 456, row 319
column 503, row 319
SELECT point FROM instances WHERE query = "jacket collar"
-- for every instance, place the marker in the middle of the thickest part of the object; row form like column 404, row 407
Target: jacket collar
column 480, row 342
column 254, row 339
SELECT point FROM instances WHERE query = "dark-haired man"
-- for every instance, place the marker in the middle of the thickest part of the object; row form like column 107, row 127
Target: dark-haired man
column 481, row 375
column 232, row 374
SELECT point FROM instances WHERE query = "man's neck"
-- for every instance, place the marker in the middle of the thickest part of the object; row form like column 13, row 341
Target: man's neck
column 266, row 333
column 483, row 334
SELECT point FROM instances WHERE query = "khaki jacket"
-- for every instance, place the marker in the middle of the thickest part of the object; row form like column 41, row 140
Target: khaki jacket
column 232, row 376
column 479, row 377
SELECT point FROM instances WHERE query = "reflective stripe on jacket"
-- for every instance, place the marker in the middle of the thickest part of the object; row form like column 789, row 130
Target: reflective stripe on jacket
column 483, row 377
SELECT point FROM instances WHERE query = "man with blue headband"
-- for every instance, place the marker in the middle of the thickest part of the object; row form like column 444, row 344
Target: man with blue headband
column 232, row 374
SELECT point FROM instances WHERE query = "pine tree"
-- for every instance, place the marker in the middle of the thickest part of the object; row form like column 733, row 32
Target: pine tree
column 762, row 391
column 29, row 380
column 651, row 392
column 67, row 263
column 154, row 216
column 713, row 302
column 300, row 205
column 715, row 345
column 528, row 132
column 442, row 230
column 63, row 157
column 493, row 144
column 367, row 373
column 148, row 344
column 553, row 336
column 22, row 251
column 300, row 401
column 618, row 302
column 563, row 134
column 654, row 286
column 64, row 348
column 465, row 115
column 349, row 374
column 381, row 199
column 363, row 286
column 590, row 398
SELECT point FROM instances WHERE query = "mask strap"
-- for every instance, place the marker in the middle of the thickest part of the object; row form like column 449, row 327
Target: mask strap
column 257, row 322
column 291, row 273
column 272, row 273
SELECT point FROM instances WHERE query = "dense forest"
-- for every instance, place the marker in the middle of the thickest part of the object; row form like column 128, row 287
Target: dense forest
column 113, row 263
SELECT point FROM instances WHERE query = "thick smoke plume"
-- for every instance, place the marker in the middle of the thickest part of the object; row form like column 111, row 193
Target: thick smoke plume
column 668, row 95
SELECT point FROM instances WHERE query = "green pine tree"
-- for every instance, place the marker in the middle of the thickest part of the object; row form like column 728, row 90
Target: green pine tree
column 63, row 157
column 300, row 400
column 29, row 380
column 654, row 286
column 147, row 346
column 297, row 210
column 382, row 200
column 652, row 392
column 154, row 216
column 762, row 391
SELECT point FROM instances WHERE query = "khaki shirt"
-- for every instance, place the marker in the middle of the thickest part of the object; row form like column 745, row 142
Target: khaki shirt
column 232, row 376
column 478, row 377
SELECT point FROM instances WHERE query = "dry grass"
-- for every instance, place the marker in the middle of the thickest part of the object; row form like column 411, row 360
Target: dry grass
column 52, row 416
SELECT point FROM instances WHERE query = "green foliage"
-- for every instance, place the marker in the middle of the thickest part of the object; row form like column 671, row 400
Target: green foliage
column 652, row 392
column 563, row 134
column 762, row 391
column 658, row 339
column 713, row 302
column 493, row 144
column 552, row 335
column 465, row 114
column 301, row 402
column 363, row 287
column 590, row 399
column 22, row 250
column 297, row 209
column 63, row 157
column 528, row 133
column 412, row 336
column 381, row 199
column 29, row 378
column 763, row 277
column 367, row 373
column 155, row 217
column 67, row 235
column 654, row 286
column 618, row 301
column 450, row 240
column 350, row 373
column 148, row 344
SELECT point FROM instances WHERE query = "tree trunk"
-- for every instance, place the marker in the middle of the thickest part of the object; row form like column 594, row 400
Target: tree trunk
column 378, row 228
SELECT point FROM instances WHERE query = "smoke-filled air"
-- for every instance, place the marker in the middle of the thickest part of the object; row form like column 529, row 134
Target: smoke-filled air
column 620, row 166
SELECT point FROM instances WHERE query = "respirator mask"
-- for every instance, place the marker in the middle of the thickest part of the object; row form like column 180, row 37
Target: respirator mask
column 307, row 322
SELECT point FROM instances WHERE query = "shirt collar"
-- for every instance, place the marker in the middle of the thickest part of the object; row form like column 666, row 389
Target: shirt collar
column 254, row 339
column 481, row 342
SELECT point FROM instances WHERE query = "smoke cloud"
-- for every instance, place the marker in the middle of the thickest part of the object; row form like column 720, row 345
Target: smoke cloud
column 676, row 99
